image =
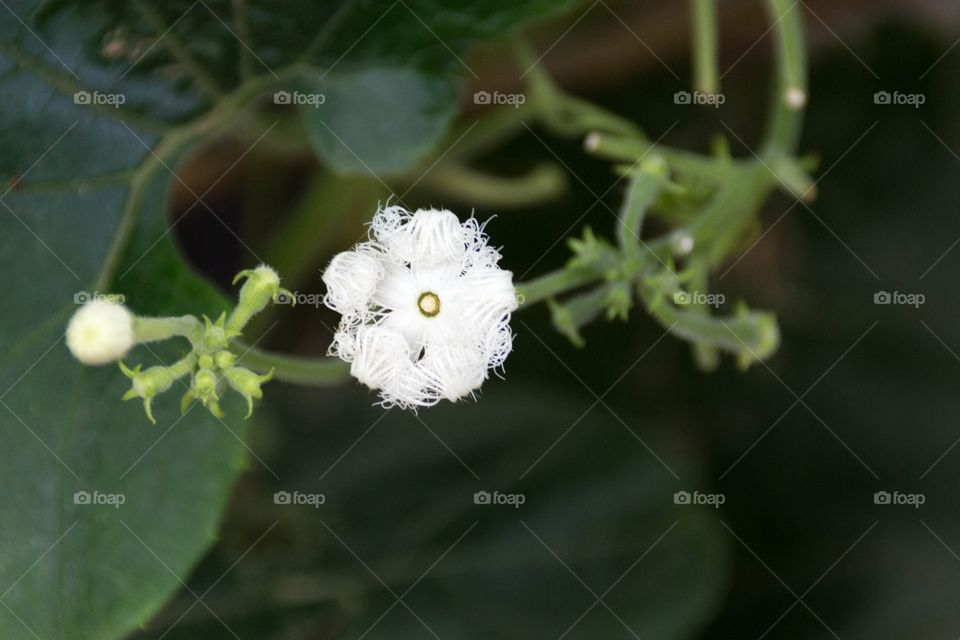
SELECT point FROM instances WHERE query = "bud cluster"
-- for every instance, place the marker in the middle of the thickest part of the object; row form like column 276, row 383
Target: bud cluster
column 211, row 366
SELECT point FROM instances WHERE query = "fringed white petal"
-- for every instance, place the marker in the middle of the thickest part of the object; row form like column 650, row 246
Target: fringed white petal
column 380, row 356
column 454, row 371
column 487, row 295
column 387, row 223
column 351, row 279
column 498, row 345
column 435, row 237
column 411, row 390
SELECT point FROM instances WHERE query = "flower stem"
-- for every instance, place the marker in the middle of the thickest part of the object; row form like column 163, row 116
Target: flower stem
column 783, row 129
column 295, row 369
column 703, row 14
column 147, row 329
column 552, row 284
column 642, row 190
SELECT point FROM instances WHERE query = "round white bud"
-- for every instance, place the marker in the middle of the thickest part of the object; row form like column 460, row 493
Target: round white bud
column 100, row 332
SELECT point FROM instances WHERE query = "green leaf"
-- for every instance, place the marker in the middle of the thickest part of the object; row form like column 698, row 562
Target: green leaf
column 379, row 120
column 71, row 569
column 394, row 72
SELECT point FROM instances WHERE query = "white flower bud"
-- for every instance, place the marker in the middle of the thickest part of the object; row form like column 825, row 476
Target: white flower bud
column 100, row 332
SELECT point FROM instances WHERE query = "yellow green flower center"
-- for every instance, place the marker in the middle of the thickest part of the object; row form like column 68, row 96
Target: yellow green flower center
column 429, row 304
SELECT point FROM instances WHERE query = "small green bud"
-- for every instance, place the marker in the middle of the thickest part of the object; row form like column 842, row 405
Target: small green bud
column 261, row 287
column 655, row 166
column 205, row 361
column 147, row 384
column 205, row 382
column 204, row 389
column 215, row 336
column 563, row 322
column 224, row 359
column 619, row 301
column 247, row 383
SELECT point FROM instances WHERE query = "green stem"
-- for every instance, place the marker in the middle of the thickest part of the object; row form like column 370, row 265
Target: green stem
column 642, row 190
column 705, row 355
column 544, row 182
column 703, row 14
column 295, row 369
column 627, row 149
column 175, row 141
column 494, row 127
column 564, row 114
column 242, row 28
column 786, row 117
column 147, row 329
column 579, row 311
column 184, row 366
column 752, row 335
column 553, row 284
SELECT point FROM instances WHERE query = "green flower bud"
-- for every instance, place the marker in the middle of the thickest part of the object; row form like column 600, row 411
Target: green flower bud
column 215, row 336
column 152, row 382
column 247, row 383
column 204, row 389
column 224, row 359
column 261, row 287
column 619, row 300
column 205, row 382
column 205, row 361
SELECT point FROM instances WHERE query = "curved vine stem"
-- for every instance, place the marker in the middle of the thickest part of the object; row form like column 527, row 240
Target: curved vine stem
column 295, row 369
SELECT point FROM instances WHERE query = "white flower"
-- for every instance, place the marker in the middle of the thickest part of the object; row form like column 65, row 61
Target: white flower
column 425, row 308
column 100, row 332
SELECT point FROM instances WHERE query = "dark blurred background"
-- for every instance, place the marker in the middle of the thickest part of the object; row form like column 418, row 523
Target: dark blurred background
column 860, row 398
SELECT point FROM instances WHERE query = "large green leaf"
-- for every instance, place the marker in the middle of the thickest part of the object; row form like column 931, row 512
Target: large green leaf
column 68, row 569
column 393, row 73
column 379, row 120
